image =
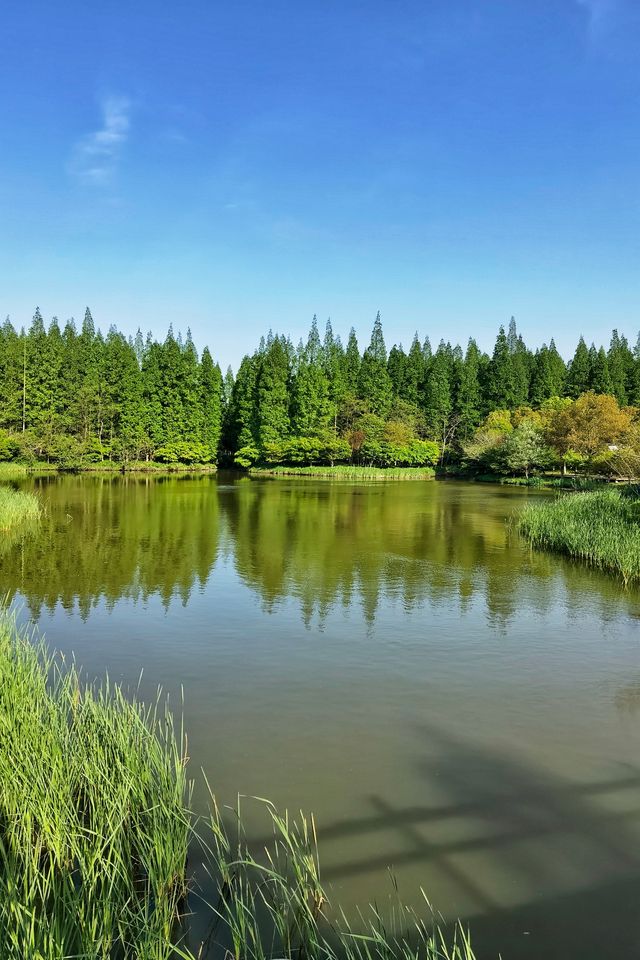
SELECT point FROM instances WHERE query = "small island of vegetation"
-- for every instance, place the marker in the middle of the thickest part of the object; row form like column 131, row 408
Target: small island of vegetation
column 601, row 528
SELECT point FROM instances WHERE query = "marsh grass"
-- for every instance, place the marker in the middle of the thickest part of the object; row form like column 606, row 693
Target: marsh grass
column 273, row 903
column 18, row 507
column 347, row 472
column 12, row 471
column 96, row 825
column 94, row 820
column 600, row 528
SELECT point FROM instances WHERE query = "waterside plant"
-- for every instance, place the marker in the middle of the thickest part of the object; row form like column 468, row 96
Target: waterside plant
column 601, row 528
column 18, row 507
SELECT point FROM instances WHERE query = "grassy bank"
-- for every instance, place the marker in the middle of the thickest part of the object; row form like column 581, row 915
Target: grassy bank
column 602, row 528
column 343, row 472
column 95, row 829
column 17, row 508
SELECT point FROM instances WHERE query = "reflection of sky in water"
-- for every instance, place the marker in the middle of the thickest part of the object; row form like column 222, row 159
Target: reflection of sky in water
column 391, row 657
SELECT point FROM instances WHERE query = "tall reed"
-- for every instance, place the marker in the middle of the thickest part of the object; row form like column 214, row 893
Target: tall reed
column 601, row 528
column 94, row 819
column 17, row 507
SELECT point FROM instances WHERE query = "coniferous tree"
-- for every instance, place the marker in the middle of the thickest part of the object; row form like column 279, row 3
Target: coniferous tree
column 578, row 374
column 374, row 382
column 414, row 372
column 243, row 414
column 272, row 392
column 352, row 363
column 634, row 375
column 12, row 347
column 311, row 407
column 599, row 378
column 397, row 367
column 210, row 403
column 437, row 394
column 501, row 384
column 468, row 401
column 619, row 360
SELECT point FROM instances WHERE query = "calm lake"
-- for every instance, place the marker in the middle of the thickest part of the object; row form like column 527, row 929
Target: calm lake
column 388, row 656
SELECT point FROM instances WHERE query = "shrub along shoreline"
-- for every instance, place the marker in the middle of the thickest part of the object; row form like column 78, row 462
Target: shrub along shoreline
column 96, row 825
column 601, row 528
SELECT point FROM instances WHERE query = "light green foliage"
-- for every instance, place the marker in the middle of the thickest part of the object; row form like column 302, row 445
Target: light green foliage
column 524, row 449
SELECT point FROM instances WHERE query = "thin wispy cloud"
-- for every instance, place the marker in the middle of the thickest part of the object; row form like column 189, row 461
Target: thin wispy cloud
column 95, row 156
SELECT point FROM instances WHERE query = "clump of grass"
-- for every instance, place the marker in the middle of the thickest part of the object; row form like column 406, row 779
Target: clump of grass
column 348, row 472
column 18, row 507
column 558, row 483
column 94, row 823
column 601, row 528
column 12, row 471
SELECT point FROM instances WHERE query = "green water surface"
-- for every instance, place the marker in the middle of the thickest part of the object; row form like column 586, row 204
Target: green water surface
column 390, row 656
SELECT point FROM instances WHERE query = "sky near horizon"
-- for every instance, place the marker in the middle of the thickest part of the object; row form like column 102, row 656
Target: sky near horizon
column 232, row 167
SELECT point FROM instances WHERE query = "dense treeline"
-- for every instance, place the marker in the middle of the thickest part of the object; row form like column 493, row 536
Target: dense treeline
column 72, row 397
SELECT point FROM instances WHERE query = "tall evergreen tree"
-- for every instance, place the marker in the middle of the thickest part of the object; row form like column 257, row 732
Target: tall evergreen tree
column 437, row 394
column 352, row 363
column 599, row 378
column 468, row 400
column 579, row 372
column 210, row 402
column 374, row 382
column 272, row 392
column 312, row 411
column 501, row 385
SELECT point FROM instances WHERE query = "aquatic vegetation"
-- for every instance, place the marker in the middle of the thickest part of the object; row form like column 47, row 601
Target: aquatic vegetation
column 94, row 822
column 347, row 472
column 17, row 507
column 95, row 829
column 12, row 471
column 274, row 905
column 602, row 528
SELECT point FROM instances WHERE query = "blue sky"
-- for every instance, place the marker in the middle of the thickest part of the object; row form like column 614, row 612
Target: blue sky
column 238, row 166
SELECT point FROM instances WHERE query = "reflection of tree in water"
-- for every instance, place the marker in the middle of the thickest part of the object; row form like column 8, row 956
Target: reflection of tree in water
column 321, row 544
column 104, row 538
column 411, row 542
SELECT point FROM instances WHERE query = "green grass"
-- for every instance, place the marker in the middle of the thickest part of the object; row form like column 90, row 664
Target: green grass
column 345, row 472
column 601, row 528
column 94, row 822
column 12, row 471
column 555, row 483
column 95, row 828
column 17, row 508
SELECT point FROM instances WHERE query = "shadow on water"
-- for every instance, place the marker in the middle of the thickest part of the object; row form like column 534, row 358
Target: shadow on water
column 546, row 867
